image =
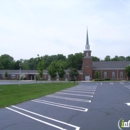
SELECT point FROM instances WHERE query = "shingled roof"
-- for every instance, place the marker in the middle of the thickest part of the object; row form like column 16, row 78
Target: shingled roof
column 110, row 64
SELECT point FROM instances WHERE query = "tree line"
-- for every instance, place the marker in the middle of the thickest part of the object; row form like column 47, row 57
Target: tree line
column 71, row 61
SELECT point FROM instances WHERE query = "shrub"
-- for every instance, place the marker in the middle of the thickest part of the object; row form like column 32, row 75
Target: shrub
column 23, row 77
column 99, row 79
column 107, row 79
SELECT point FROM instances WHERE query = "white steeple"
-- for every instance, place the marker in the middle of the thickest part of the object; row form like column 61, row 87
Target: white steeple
column 87, row 46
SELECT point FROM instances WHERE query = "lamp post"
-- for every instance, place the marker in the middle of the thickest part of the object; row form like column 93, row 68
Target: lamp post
column 19, row 72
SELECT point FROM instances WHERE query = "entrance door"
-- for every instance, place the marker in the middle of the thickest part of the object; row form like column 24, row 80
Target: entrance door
column 31, row 77
column 87, row 77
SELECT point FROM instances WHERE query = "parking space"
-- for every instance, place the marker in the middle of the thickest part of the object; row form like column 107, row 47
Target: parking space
column 54, row 111
column 88, row 106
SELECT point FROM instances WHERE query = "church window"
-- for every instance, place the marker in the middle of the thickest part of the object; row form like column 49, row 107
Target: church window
column 113, row 75
column 121, row 75
column 105, row 75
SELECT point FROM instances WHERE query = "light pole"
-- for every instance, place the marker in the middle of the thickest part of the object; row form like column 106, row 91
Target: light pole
column 19, row 72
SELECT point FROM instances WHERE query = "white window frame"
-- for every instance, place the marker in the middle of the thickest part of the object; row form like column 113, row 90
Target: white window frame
column 121, row 75
column 113, row 75
column 13, row 76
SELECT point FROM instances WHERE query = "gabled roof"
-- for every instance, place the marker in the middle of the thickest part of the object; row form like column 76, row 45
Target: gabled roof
column 110, row 64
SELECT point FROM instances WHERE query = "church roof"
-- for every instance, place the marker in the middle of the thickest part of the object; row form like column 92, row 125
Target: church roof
column 110, row 64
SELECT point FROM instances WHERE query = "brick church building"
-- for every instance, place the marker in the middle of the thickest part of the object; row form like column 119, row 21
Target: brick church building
column 114, row 70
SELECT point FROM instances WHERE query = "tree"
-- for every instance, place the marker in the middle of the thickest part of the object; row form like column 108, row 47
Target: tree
column 121, row 58
column 97, row 74
column 33, row 63
column 52, row 69
column 127, row 70
column 6, row 74
column 116, row 58
column 128, row 58
column 60, row 68
column 73, row 72
column 107, row 58
column 6, row 62
column 75, row 61
column 40, row 67
column 22, row 77
column 94, row 58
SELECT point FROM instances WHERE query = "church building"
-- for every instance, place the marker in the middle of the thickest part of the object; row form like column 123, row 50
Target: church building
column 114, row 70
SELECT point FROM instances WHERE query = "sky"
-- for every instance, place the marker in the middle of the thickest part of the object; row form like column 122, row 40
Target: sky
column 49, row 27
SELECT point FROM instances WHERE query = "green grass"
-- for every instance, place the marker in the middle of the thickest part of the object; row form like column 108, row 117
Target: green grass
column 14, row 94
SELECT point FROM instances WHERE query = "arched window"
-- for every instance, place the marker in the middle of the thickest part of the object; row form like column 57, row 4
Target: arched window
column 105, row 75
column 121, row 75
column 113, row 75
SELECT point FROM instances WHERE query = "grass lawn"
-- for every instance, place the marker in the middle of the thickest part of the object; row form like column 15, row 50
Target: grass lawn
column 14, row 94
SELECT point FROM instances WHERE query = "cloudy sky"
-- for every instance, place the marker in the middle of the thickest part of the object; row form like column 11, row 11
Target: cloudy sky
column 31, row 27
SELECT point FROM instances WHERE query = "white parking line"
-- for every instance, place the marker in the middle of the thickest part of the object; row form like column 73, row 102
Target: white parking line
column 78, row 91
column 61, row 105
column 111, row 83
column 84, row 89
column 72, row 99
column 121, row 83
column 127, row 104
column 101, row 83
column 47, row 123
column 74, row 94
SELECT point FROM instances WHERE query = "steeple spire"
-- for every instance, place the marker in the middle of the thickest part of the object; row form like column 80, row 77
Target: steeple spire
column 87, row 40
column 87, row 46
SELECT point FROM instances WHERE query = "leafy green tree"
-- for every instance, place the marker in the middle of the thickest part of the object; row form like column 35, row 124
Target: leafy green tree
column 48, row 59
column 52, row 69
column 25, row 65
column 16, row 64
column 128, row 58
column 6, row 74
column 97, row 74
column 36, row 78
column 73, row 72
column 116, row 58
column 6, row 62
column 40, row 66
column 127, row 70
column 107, row 58
column 57, row 67
column 33, row 63
column 122, row 58
column 94, row 58
column 75, row 61
column 61, row 68
column 61, row 72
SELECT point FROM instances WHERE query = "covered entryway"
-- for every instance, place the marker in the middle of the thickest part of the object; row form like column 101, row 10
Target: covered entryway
column 31, row 77
column 87, row 77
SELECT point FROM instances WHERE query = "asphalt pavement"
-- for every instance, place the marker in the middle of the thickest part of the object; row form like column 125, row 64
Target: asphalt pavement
column 87, row 106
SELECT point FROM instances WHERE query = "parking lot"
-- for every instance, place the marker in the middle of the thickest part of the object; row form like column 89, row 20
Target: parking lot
column 88, row 106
